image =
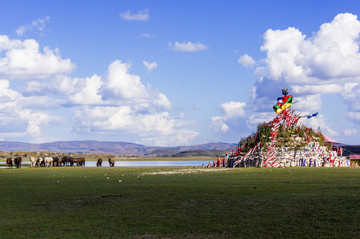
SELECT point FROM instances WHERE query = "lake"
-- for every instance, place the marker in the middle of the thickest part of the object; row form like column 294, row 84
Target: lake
column 150, row 163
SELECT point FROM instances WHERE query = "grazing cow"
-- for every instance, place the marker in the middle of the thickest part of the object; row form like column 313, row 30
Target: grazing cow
column 111, row 162
column 17, row 162
column 48, row 161
column 99, row 162
column 9, row 162
column 32, row 162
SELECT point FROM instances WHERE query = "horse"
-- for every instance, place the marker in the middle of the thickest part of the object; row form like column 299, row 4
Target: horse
column 17, row 162
column 65, row 160
column 9, row 162
column 82, row 162
column 111, row 162
column 48, row 161
column 55, row 161
column 60, row 162
column 99, row 162
column 40, row 162
column 71, row 161
column 32, row 162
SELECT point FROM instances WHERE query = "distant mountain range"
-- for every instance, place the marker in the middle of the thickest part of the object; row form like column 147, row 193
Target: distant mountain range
column 118, row 148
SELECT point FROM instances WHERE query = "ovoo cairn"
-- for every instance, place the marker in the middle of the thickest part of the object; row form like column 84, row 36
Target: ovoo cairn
column 283, row 142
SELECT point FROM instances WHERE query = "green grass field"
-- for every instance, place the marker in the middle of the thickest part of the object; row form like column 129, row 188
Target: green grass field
column 194, row 203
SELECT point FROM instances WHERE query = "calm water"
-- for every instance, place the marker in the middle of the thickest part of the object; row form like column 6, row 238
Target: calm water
column 149, row 163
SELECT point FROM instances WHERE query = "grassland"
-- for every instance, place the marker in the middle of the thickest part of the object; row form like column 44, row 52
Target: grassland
column 179, row 203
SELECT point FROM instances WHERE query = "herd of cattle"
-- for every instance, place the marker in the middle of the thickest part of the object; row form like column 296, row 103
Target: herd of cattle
column 54, row 162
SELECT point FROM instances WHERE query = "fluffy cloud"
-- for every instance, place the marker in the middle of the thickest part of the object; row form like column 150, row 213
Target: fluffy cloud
column 24, row 60
column 219, row 124
column 59, row 85
column 188, row 46
column 331, row 55
column 150, row 66
column 308, row 103
column 37, row 25
column 89, row 91
column 231, row 111
column 246, row 61
column 142, row 15
column 20, row 116
column 120, row 102
column 121, row 87
column 122, row 84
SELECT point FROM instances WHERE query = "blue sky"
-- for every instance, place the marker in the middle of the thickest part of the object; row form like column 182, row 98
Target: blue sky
column 172, row 73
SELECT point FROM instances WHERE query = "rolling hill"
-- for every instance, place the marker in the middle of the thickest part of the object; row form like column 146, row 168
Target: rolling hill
column 117, row 148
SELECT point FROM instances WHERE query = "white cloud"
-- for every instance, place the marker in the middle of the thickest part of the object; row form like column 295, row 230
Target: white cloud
column 246, row 61
column 219, row 124
column 349, row 132
column 150, row 66
column 317, row 89
column 24, row 117
column 330, row 56
column 121, row 87
column 36, row 121
column 122, row 84
column 188, row 46
column 308, row 103
column 89, row 91
column 156, row 126
column 37, row 25
column 231, row 111
column 119, row 102
column 142, row 15
column 60, row 85
column 24, row 60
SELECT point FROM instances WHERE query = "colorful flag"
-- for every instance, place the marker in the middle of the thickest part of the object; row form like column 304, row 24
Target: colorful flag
column 283, row 103
column 313, row 115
